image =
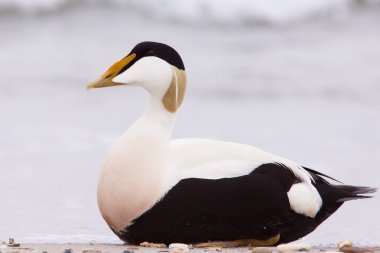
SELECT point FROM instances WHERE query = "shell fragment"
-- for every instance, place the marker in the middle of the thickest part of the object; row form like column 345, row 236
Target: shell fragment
column 293, row 247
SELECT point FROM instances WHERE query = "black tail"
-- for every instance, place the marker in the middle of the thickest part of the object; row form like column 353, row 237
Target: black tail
column 333, row 196
column 354, row 192
column 338, row 193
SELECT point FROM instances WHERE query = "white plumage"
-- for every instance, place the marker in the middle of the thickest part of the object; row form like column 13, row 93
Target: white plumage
column 146, row 151
column 145, row 165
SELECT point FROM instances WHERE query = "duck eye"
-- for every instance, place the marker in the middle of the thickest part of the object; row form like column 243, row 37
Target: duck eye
column 150, row 53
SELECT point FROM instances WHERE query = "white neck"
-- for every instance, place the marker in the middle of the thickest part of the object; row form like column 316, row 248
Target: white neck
column 135, row 174
column 155, row 118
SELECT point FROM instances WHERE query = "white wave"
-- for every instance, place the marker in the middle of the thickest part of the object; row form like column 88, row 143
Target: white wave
column 224, row 12
column 27, row 5
column 239, row 11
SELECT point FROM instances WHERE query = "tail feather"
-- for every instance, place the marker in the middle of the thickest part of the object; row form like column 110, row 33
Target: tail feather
column 354, row 192
column 339, row 193
column 319, row 175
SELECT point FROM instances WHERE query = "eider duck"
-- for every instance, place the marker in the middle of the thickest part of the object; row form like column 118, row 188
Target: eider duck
column 199, row 191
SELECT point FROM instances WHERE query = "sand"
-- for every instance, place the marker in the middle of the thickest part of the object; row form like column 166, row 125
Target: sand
column 120, row 248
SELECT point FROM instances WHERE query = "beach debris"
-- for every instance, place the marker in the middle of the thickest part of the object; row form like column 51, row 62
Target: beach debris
column 293, row 247
column 128, row 251
column 263, row 249
column 345, row 245
column 91, row 250
column 68, row 251
column 152, row 245
column 12, row 243
column 179, row 247
column 132, row 248
column 9, row 247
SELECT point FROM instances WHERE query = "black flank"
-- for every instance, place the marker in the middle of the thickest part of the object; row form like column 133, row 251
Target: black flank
column 254, row 206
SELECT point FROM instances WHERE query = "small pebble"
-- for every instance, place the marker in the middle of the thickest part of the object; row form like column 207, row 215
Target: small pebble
column 152, row 245
column 91, row 250
column 68, row 251
column 293, row 247
column 181, row 247
column 345, row 245
column 11, row 243
column 263, row 249
column 128, row 251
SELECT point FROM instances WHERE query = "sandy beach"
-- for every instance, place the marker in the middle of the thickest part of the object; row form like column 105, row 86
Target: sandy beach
column 121, row 248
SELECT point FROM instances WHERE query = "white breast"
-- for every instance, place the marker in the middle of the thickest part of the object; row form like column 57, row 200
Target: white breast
column 135, row 175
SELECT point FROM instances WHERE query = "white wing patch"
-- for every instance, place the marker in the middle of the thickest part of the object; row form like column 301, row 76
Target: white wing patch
column 206, row 158
column 303, row 200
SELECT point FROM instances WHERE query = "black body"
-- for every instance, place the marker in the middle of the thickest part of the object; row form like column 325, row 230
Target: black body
column 254, row 206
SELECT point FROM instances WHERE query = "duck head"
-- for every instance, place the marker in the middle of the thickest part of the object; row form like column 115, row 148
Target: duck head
column 154, row 66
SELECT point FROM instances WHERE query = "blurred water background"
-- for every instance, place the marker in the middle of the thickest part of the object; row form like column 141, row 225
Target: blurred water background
column 297, row 78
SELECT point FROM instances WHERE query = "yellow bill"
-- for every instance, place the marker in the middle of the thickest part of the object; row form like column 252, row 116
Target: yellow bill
column 106, row 79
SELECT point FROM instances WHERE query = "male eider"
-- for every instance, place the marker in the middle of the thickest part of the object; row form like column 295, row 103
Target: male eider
column 159, row 190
